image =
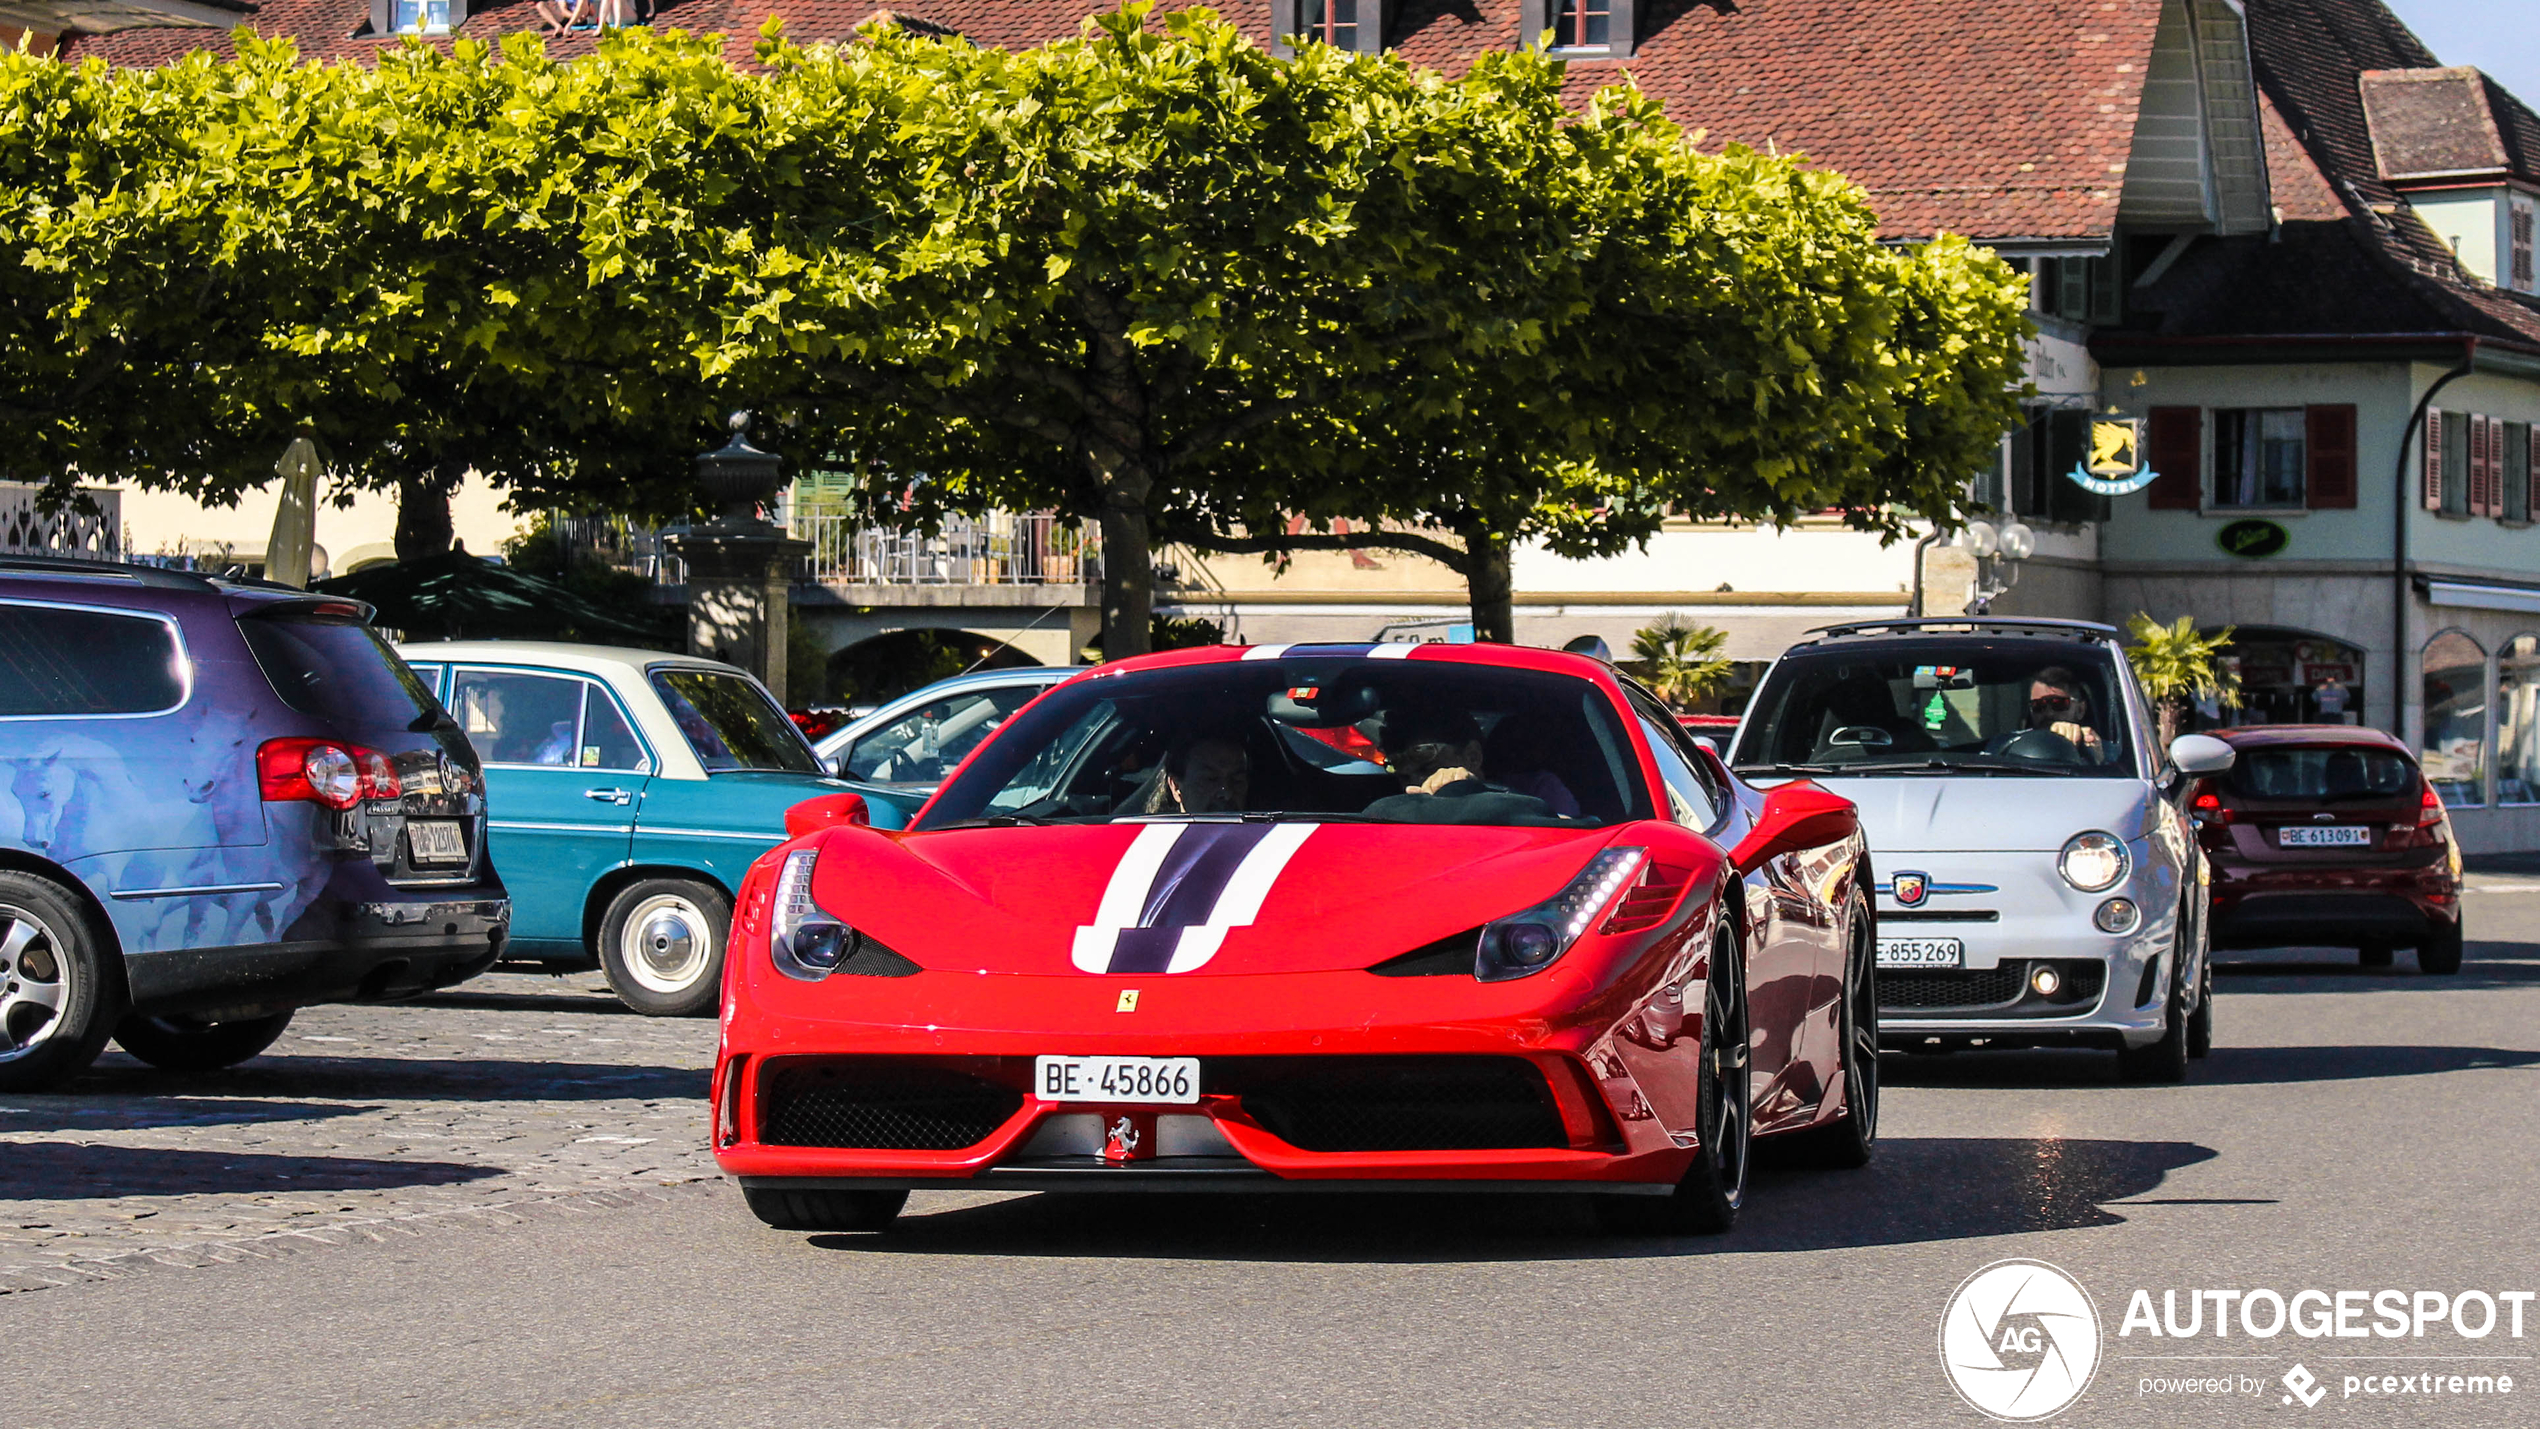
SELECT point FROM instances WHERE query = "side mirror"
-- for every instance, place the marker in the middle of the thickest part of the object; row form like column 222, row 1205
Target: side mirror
column 838, row 761
column 1796, row 816
column 1707, row 742
column 2197, row 754
column 827, row 811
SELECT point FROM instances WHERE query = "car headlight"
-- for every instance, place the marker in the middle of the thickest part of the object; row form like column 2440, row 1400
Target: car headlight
column 1526, row 943
column 805, row 940
column 2093, row 862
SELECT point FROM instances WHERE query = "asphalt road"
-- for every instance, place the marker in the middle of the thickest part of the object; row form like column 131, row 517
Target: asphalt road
column 2351, row 1132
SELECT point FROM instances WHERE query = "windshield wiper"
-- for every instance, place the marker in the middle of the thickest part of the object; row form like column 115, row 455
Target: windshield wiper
column 1000, row 821
column 1953, row 766
column 1795, row 768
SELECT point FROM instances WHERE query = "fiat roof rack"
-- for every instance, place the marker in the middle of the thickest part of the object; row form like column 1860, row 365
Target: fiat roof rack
column 1974, row 624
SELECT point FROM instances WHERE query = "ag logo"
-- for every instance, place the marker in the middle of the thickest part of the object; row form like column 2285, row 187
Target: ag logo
column 1911, row 889
column 2020, row 1340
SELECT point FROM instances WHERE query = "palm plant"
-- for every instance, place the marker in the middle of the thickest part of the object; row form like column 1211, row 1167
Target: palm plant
column 1680, row 660
column 2177, row 667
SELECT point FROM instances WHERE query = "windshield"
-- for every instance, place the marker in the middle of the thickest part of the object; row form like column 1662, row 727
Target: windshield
column 2325, row 775
column 919, row 748
column 1914, row 707
column 732, row 723
column 1380, row 741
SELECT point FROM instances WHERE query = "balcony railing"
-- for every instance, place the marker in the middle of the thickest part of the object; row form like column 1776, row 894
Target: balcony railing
column 28, row 529
column 1000, row 548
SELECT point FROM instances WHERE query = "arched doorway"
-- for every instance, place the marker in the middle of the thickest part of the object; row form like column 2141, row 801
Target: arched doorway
column 2291, row 676
column 885, row 667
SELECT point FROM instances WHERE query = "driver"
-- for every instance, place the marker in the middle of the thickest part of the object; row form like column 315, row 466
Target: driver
column 1206, row 774
column 1438, row 757
column 2058, row 702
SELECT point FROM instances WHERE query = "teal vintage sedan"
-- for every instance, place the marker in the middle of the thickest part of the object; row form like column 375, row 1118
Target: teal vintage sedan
column 626, row 793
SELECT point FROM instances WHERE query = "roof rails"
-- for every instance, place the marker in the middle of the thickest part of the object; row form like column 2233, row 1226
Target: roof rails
column 1982, row 624
column 72, row 567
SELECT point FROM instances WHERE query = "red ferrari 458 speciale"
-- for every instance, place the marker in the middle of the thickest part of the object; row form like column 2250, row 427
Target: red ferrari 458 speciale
column 1348, row 917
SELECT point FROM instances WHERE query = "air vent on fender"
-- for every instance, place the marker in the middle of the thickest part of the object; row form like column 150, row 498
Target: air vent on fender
column 1442, row 958
column 1647, row 903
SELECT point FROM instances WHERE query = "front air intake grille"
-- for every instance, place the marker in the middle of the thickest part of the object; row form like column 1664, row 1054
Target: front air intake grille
column 1395, row 1103
column 1987, row 987
column 879, row 1104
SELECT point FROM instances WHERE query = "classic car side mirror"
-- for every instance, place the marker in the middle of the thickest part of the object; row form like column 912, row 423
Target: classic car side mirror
column 2201, row 754
column 1796, row 816
column 827, row 811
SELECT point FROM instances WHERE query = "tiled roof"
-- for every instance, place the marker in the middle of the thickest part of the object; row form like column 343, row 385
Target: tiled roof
column 2350, row 259
column 2431, row 122
column 1999, row 119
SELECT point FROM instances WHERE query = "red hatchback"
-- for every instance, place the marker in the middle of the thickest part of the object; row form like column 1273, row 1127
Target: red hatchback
column 2329, row 835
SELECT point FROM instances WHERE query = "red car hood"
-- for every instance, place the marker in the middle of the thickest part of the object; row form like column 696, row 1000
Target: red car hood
column 1206, row 898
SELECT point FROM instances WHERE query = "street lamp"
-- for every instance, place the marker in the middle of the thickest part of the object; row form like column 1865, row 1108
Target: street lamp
column 1998, row 552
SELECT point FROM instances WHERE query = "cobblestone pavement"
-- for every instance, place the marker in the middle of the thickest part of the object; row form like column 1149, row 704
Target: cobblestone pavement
column 515, row 1096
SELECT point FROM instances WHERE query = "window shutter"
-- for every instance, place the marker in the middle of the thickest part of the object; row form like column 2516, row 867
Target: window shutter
column 1533, row 18
column 2486, row 484
column 2329, row 438
column 2532, row 482
column 2176, row 445
column 2433, row 458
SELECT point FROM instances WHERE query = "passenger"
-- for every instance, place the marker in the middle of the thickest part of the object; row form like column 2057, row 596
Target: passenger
column 1206, row 774
column 2058, row 701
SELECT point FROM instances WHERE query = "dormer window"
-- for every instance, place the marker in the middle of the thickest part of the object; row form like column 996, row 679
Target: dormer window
column 421, row 17
column 1582, row 24
column 1331, row 22
column 1579, row 29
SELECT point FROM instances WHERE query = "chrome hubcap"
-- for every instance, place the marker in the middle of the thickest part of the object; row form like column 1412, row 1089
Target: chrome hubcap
column 34, row 983
column 667, row 943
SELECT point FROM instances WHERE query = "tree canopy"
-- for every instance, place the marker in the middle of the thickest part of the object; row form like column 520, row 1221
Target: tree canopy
column 1150, row 275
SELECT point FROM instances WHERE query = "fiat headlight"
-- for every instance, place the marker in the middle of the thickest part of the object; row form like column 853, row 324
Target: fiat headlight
column 2093, row 862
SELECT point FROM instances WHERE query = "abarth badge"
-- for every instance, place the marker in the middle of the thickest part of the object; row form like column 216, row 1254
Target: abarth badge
column 1911, row 889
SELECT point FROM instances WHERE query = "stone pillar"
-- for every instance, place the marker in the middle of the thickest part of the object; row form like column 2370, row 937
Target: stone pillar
column 741, row 565
column 740, row 598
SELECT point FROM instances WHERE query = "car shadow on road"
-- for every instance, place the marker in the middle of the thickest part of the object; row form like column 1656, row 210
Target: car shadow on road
column 62, row 1113
column 2486, row 966
column 2228, row 1066
column 1918, row 1189
column 69, row 1170
column 395, row 1078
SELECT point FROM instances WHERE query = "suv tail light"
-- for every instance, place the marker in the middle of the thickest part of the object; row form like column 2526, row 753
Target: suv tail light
column 2206, row 803
column 323, row 771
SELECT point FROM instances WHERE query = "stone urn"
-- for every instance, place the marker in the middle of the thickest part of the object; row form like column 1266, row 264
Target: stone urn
column 738, row 479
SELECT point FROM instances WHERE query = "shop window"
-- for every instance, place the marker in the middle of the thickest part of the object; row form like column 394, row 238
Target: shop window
column 2518, row 721
column 2260, row 461
column 2455, row 689
column 2288, row 677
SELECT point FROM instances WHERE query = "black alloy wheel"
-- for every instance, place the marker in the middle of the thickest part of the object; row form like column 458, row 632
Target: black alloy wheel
column 820, row 1210
column 1706, row 1201
column 1850, row 1139
column 190, row 1044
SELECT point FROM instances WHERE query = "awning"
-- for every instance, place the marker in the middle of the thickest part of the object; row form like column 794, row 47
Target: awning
column 2482, row 597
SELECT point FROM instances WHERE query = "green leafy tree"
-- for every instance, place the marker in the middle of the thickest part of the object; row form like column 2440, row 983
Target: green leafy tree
column 1680, row 660
column 2178, row 667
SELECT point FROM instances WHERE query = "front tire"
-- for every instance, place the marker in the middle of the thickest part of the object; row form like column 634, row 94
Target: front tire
column 662, row 943
column 1850, row 1139
column 2164, row 1061
column 185, row 1044
column 60, row 993
column 1706, row 1201
column 2440, row 953
column 816, row 1210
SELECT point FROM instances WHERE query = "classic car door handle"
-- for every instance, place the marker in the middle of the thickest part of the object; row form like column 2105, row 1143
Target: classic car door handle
column 609, row 796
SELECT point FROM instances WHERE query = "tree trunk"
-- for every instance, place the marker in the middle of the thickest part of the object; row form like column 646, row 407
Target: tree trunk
column 1128, row 570
column 2173, row 713
column 423, row 510
column 1492, row 584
